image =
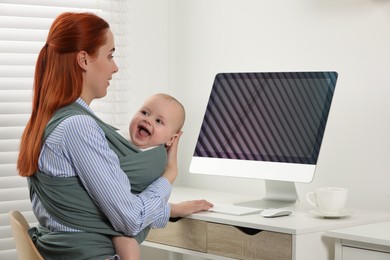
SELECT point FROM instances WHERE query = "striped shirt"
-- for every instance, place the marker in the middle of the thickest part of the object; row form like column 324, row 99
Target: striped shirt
column 78, row 146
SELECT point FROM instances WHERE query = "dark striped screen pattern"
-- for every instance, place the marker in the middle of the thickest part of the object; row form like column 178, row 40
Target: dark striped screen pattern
column 275, row 116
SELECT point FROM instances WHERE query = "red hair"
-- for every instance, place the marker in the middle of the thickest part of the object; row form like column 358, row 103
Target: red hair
column 58, row 79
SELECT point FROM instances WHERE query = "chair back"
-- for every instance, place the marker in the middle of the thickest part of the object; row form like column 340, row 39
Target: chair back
column 24, row 245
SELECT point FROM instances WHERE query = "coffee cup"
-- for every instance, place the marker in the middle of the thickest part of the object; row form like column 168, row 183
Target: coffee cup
column 328, row 200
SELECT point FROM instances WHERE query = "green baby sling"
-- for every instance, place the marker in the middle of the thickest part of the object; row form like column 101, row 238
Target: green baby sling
column 66, row 199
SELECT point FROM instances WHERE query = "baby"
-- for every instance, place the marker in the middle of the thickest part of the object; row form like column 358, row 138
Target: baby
column 158, row 121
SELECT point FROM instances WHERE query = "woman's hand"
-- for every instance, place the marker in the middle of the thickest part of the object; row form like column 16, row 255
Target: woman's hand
column 186, row 208
column 171, row 171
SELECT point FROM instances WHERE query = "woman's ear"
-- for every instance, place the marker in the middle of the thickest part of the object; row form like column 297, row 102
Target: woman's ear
column 82, row 59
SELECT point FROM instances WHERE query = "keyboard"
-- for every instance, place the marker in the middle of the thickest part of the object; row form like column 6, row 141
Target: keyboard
column 233, row 210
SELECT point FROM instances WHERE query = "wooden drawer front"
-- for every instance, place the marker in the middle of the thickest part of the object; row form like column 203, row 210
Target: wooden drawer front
column 240, row 243
column 351, row 253
column 185, row 233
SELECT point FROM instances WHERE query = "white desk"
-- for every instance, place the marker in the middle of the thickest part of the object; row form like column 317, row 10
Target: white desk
column 306, row 231
column 371, row 241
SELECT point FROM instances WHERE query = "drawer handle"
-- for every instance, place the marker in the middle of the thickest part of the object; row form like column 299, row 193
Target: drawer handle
column 249, row 231
column 174, row 219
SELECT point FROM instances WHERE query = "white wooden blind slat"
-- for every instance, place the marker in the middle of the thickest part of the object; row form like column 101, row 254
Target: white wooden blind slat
column 8, row 254
column 5, row 237
column 89, row 4
column 15, row 84
column 20, row 47
column 14, row 120
column 10, row 133
column 8, row 157
column 17, row 71
column 8, row 182
column 22, row 205
column 14, row 194
column 29, row 215
column 9, row 145
column 22, row 34
column 38, row 10
column 8, row 170
column 15, row 108
column 18, row 59
column 23, row 23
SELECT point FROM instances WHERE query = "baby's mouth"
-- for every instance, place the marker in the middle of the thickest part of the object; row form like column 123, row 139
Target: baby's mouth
column 143, row 131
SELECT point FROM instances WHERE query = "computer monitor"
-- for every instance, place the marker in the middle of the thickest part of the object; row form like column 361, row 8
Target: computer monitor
column 266, row 125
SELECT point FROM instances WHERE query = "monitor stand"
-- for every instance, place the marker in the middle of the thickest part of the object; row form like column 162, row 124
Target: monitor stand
column 278, row 194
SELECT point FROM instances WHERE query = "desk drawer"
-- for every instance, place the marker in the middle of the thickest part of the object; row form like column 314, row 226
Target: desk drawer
column 243, row 243
column 185, row 233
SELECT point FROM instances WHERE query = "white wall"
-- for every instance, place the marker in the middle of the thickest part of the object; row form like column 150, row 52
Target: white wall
column 148, row 46
column 349, row 36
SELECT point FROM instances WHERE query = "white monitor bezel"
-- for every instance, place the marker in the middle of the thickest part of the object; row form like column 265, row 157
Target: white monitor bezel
column 265, row 170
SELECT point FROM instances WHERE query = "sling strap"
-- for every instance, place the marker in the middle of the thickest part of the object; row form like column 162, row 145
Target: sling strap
column 66, row 199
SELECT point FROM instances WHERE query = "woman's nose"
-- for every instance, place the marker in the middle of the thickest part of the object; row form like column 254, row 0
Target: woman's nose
column 115, row 68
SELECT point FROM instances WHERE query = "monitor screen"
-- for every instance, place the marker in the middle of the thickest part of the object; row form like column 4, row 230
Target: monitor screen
column 267, row 125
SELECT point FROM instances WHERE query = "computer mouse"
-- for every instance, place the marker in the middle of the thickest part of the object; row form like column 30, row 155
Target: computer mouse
column 272, row 213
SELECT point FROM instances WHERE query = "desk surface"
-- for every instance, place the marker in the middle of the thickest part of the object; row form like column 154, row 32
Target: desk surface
column 301, row 221
column 376, row 233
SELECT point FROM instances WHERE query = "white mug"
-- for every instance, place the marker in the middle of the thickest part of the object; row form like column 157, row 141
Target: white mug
column 328, row 200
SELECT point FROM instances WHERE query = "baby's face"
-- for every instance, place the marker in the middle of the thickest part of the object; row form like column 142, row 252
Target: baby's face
column 156, row 122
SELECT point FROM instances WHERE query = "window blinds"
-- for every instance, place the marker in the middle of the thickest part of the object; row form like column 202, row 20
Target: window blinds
column 23, row 29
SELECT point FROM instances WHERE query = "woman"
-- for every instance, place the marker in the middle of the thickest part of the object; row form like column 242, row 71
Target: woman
column 75, row 163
